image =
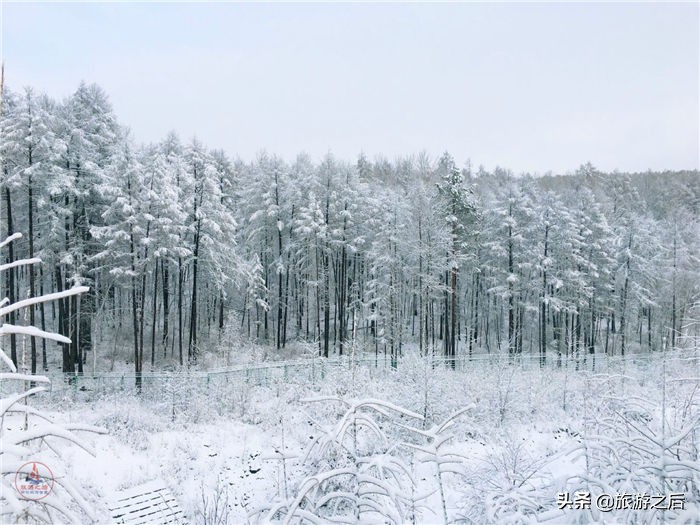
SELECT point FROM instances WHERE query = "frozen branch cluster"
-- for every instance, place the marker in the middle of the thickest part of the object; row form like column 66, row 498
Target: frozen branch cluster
column 27, row 435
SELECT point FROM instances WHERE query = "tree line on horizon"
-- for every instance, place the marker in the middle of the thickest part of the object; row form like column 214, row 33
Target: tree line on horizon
column 179, row 242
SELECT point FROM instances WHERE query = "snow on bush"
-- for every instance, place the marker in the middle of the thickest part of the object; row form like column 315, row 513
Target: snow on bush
column 361, row 479
column 523, row 436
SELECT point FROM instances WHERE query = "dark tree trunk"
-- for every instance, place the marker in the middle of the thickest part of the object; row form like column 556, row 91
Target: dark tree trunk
column 592, row 340
column 342, row 287
column 180, row 284
column 326, row 305
column 421, row 333
column 138, row 352
column 166, row 305
column 673, row 292
column 475, row 327
column 11, row 274
column 154, row 320
column 342, row 296
column 280, row 294
column 135, row 322
column 446, row 316
column 649, row 328
column 623, row 301
column 521, row 329
column 63, row 322
column 453, row 312
column 511, row 293
column 221, row 311
column 42, row 313
column 192, row 347
column 318, row 303
column 286, row 290
column 74, row 335
column 32, row 279
column 543, row 301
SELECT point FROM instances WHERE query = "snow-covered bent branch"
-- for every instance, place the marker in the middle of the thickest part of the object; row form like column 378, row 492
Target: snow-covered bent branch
column 21, row 444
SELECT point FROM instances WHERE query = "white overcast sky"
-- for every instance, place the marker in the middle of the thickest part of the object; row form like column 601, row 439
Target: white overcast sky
column 530, row 87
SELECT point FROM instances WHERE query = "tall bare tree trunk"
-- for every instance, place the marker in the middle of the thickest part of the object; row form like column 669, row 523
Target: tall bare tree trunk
column 543, row 299
column 134, row 312
column 30, row 213
column 453, row 312
column 11, row 272
column 166, row 305
column 180, row 284
column 42, row 312
column 155, row 315
column 192, row 347
column 623, row 300
column 511, row 291
column 421, row 332
column 673, row 298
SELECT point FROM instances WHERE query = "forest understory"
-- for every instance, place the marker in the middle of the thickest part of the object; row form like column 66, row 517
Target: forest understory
column 495, row 441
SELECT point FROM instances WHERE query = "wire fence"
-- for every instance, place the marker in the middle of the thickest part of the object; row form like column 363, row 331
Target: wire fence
column 504, row 384
column 313, row 370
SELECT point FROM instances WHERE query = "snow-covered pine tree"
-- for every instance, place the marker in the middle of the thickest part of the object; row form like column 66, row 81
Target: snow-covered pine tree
column 174, row 265
column 214, row 259
column 460, row 210
column 87, row 132
column 27, row 159
column 125, row 236
column 262, row 230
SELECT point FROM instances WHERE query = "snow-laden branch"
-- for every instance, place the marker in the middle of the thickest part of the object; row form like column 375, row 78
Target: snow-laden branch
column 39, row 513
column 376, row 404
column 7, row 402
column 675, row 440
column 309, row 484
column 34, row 332
column 11, row 238
column 29, row 410
column 52, row 430
column 42, row 299
column 7, row 360
column 24, row 377
column 21, row 262
column 321, row 399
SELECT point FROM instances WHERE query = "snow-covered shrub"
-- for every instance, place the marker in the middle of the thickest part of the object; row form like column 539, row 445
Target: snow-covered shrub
column 437, row 451
column 642, row 446
column 513, row 481
column 358, row 476
column 637, row 442
column 131, row 423
column 215, row 507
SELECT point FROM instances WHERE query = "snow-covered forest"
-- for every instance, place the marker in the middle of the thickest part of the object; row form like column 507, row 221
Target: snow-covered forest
column 460, row 345
column 178, row 242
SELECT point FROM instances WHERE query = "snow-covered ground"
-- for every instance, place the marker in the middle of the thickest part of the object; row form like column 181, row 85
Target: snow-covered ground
column 525, row 434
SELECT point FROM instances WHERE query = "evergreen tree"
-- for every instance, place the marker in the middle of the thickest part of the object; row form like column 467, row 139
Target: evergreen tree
column 460, row 208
